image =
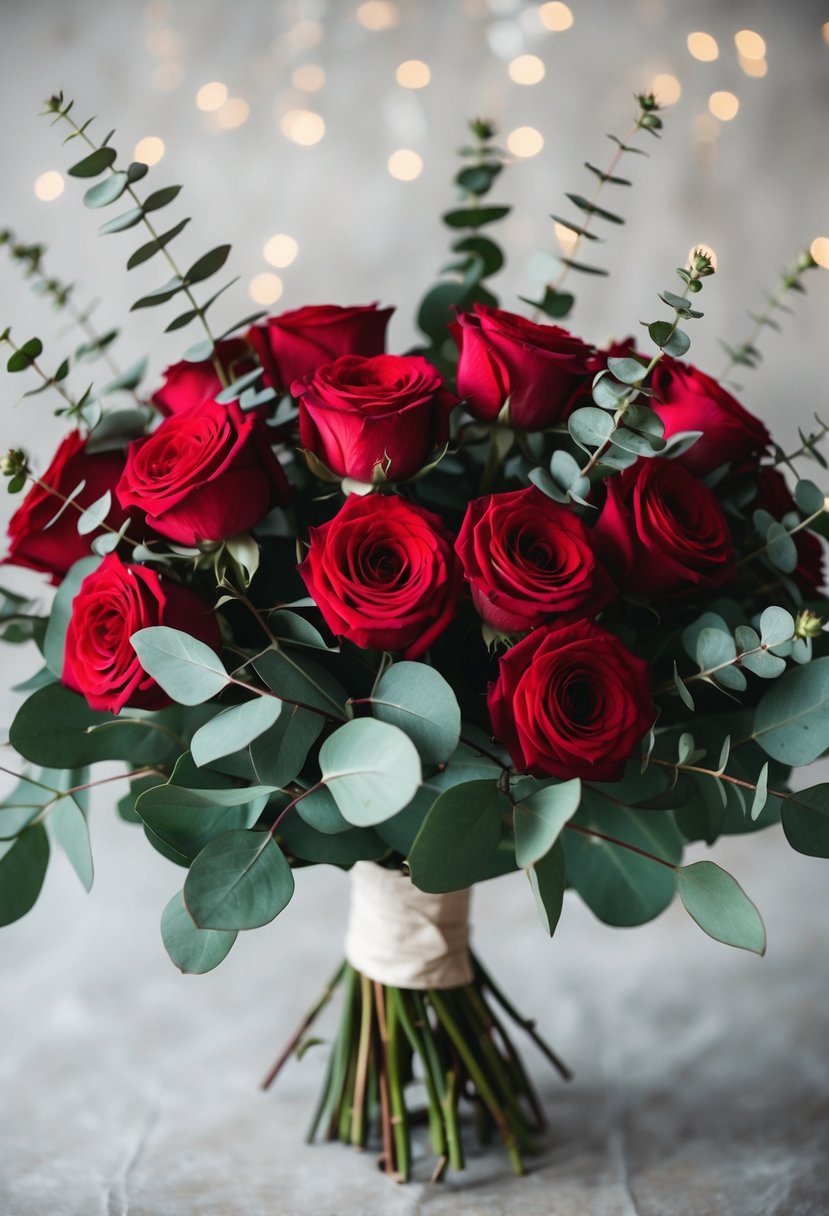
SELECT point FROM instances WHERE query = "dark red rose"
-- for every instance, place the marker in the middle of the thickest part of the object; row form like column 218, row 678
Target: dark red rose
column 113, row 602
column 187, row 386
column 663, row 532
column 527, row 559
column 571, row 701
column 688, row 400
column 504, row 357
column 53, row 551
column 293, row 345
column 378, row 418
column 384, row 575
column 204, row 475
column 774, row 496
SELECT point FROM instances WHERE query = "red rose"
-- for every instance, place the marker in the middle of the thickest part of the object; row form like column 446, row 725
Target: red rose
column 383, row 573
column 504, row 357
column 53, row 551
column 296, row 343
column 664, row 531
column 774, row 496
column 113, row 602
column 527, row 559
column 571, row 701
column 688, row 400
column 388, row 412
column 187, row 386
column 204, row 475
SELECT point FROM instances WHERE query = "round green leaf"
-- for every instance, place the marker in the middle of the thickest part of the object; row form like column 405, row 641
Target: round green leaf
column 234, row 729
column 186, row 669
column 188, row 819
column 372, row 770
column 720, row 906
column 590, row 427
column 776, row 626
column 194, row 951
column 416, row 698
column 539, row 819
column 458, row 839
column 791, row 723
column 240, row 880
column 805, row 816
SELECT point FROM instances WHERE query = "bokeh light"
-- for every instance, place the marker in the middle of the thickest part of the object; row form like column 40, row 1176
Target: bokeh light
column 525, row 141
column 526, row 69
column 555, row 16
column 149, row 150
column 265, row 288
column 703, row 46
column 378, row 15
column 414, row 74
column 302, row 127
column 753, row 67
column 750, row 44
column 280, row 250
column 405, row 165
column 211, row 96
column 49, row 186
column 666, row 89
column 724, row 105
column 566, row 237
column 308, row 78
column 306, row 34
column 819, row 250
column 232, row 114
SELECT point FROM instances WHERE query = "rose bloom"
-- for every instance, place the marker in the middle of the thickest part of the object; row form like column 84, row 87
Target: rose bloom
column 53, row 551
column 113, row 602
column 204, row 475
column 528, row 558
column 571, row 701
column 188, row 386
column 774, row 496
column 504, row 357
column 688, row 400
column 294, row 344
column 384, row 575
column 663, row 531
column 359, row 414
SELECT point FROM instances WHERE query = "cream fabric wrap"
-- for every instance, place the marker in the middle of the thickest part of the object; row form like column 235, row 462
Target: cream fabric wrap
column 403, row 937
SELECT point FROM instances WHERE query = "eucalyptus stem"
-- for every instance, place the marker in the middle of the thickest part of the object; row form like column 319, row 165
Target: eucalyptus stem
column 746, row 353
column 305, row 1025
column 45, row 377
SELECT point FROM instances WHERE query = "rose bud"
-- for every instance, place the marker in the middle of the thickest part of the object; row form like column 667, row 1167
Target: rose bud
column 113, row 602
column 58, row 547
column 374, row 419
column 774, row 496
column 293, row 345
column 663, row 532
column 571, row 701
column 506, row 358
column 527, row 559
column 688, row 400
column 383, row 574
column 204, row 476
column 187, row 386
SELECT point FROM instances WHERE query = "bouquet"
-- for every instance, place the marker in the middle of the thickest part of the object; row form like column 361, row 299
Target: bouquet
column 509, row 600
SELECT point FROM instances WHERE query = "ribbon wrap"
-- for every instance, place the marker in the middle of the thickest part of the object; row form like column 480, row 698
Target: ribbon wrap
column 403, row 937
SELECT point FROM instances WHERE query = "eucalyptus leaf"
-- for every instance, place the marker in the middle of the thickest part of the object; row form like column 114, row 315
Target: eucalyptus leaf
column 721, row 908
column 458, row 838
column 69, row 827
column 188, row 670
column 791, row 722
column 240, row 880
column 547, row 880
column 22, row 870
column 539, row 820
column 234, row 729
column 371, row 768
column 194, row 951
column 416, row 698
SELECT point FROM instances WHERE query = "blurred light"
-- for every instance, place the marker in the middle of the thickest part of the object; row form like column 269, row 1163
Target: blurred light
column 566, row 237
column 265, row 288
column 308, row 78
column 149, row 150
column 156, row 10
column 211, row 96
column 280, row 250
column 826, row 32
column 703, row 249
column 723, row 105
column 555, row 16
column 306, row 34
column 525, row 141
column 753, row 67
column 405, row 165
column 526, row 69
column 706, row 128
column 819, row 250
column 750, row 45
column 160, row 42
column 703, row 46
column 666, row 89
column 49, row 186
column 414, row 74
column 232, row 114
column 378, row 15
column 302, row 127
column 167, row 76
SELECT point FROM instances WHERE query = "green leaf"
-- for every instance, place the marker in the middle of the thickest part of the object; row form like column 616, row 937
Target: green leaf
column 492, row 259
column 22, row 870
column 372, row 770
column 555, row 304
column 539, row 820
column 720, row 906
column 340, row 849
column 808, row 496
column 61, row 613
column 585, row 205
column 188, row 819
column 145, row 252
column 805, row 816
column 25, row 355
column 776, row 626
column 71, row 830
column 207, row 264
column 629, row 371
column 302, row 680
column 582, row 267
column 458, row 839
column 474, row 217
column 95, row 163
column 781, row 549
column 108, row 191
column 186, row 669
column 161, row 295
column 590, row 427
column 791, row 723
column 160, row 198
column 234, row 729
column 128, row 219
column 278, row 756
column 194, row 951
column 547, row 880
column 608, row 392
column 240, row 880
column 760, row 793
column 437, row 309
column 95, row 514
column 416, row 698
column 320, row 811
column 714, row 647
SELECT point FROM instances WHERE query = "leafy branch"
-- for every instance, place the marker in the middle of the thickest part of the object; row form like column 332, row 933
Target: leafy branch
column 747, row 353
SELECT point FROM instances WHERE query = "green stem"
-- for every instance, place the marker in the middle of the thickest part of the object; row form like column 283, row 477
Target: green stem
column 410, row 1030
column 358, row 1124
column 391, row 1045
column 789, row 282
column 526, row 1024
column 306, row 1023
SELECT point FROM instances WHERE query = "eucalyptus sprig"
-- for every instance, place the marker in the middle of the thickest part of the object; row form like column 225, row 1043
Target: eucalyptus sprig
column 747, row 353
column 26, row 356
column 554, row 302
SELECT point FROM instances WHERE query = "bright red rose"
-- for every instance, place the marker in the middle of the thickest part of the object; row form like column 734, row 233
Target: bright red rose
column 53, row 551
column 527, row 559
column 504, row 357
column 384, row 575
column 388, row 412
column 688, row 400
column 113, row 602
column 774, row 496
column 187, row 386
column 663, row 532
column 571, row 701
column 204, row 475
column 296, row 343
